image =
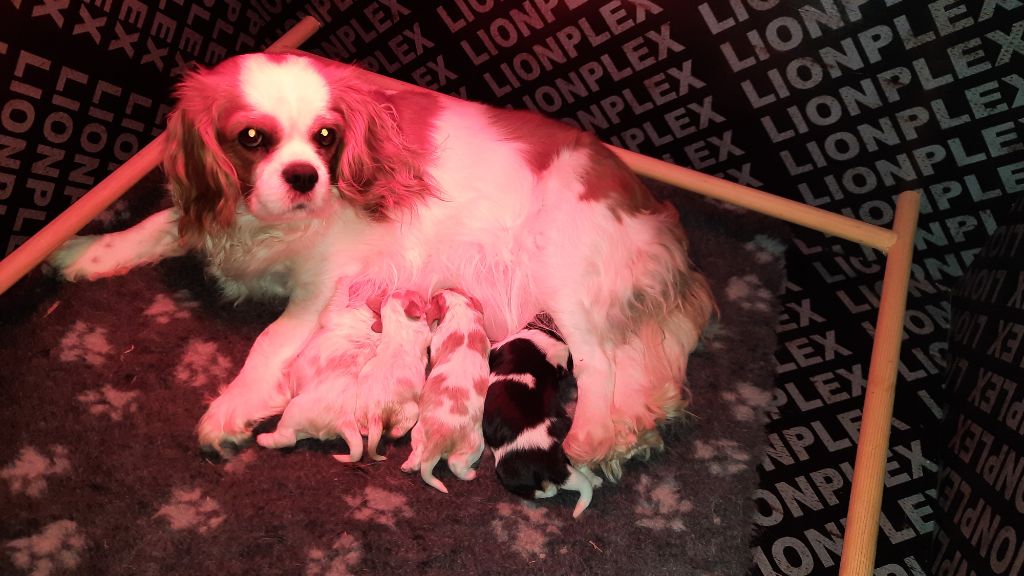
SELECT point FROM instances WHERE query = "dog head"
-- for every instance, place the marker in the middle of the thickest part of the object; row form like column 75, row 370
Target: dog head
column 280, row 137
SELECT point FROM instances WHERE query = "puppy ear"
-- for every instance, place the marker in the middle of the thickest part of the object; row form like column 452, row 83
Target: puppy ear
column 374, row 301
column 436, row 309
column 203, row 182
column 470, row 299
column 415, row 306
column 377, row 168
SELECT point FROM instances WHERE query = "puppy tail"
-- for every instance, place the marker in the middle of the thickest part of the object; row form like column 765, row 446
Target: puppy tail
column 375, row 431
column 578, row 482
column 350, row 432
column 427, row 473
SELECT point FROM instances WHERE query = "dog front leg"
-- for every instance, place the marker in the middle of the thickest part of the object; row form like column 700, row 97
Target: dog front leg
column 257, row 392
column 591, row 437
column 103, row 255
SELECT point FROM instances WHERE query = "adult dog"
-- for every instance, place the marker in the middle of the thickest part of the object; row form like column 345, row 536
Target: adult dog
column 293, row 178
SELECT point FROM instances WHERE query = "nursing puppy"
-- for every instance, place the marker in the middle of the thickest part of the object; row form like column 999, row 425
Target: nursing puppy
column 524, row 422
column 452, row 403
column 322, row 381
column 391, row 382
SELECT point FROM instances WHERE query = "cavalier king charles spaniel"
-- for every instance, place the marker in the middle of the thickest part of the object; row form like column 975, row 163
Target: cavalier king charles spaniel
column 524, row 422
column 290, row 173
column 452, row 402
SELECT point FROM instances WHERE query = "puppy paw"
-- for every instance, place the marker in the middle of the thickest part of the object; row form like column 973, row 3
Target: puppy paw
column 411, row 464
column 280, row 438
column 595, row 480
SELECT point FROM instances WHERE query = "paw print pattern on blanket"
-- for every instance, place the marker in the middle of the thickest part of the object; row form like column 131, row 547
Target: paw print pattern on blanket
column 723, row 457
column 748, row 402
column 766, row 249
column 749, row 293
column 202, row 364
column 660, row 505
column 190, row 510
column 27, row 474
column 379, row 506
column 340, row 560
column 526, row 527
column 58, row 548
column 110, row 401
column 85, row 343
column 177, row 306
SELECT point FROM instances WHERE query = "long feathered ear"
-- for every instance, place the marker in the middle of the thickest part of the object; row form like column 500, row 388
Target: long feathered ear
column 378, row 169
column 203, row 182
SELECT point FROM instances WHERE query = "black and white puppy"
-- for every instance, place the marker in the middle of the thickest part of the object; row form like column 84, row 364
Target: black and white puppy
column 524, row 422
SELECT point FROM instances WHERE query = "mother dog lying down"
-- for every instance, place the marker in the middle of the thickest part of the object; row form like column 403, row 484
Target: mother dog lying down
column 291, row 176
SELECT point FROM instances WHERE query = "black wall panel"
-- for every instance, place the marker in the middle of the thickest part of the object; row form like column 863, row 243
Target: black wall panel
column 840, row 104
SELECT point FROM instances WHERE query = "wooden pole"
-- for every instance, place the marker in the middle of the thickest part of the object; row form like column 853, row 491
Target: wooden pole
column 861, row 537
column 27, row 256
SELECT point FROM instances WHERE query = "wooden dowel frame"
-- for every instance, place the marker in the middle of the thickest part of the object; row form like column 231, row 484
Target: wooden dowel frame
column 861, row 537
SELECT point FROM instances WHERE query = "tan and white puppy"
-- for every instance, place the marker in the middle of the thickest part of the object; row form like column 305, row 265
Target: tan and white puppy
column 452, row 402
column 289, row 173
column 323, row 380
column 391, row 382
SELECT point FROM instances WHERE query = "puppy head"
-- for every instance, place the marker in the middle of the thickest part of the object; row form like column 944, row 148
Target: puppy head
column 276, row 136
column 413, row 303
column 402, row 303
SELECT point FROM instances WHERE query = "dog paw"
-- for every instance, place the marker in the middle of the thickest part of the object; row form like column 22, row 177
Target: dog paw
column 90, row 258
column 221, row 431
column 594, row 479
column 412, row 463
column 70, row 261
column 280, row 438
column 589, row 441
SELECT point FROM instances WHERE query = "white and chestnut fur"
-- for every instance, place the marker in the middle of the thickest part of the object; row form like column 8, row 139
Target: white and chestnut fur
column 419, row 191
column 323, row 380
column 452, row 402
column 524, row 421
column 391, row 382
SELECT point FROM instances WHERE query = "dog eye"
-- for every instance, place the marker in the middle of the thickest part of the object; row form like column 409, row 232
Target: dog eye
column 324, row 137
column 250, row 138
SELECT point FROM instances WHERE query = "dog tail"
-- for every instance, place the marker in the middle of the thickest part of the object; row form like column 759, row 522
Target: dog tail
column 578, row 482
column 350, row 432
column 375, row 431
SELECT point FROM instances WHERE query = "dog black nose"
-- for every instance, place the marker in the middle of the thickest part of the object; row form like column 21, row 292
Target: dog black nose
column 301, row 176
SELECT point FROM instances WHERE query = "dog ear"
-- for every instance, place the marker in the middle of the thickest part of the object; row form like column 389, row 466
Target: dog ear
column 413, row 303
column 377, row 168
column 374, row 302
column 472, row 300
column 203, row 182
column 437, row 308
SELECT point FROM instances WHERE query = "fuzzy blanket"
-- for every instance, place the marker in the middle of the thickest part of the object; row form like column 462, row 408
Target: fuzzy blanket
column 102, row 384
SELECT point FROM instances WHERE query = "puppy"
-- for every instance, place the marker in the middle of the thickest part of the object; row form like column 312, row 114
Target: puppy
column 391, row 382
column 452, row 403
column 524, row 422
column 289, row 173
column 322, row 380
